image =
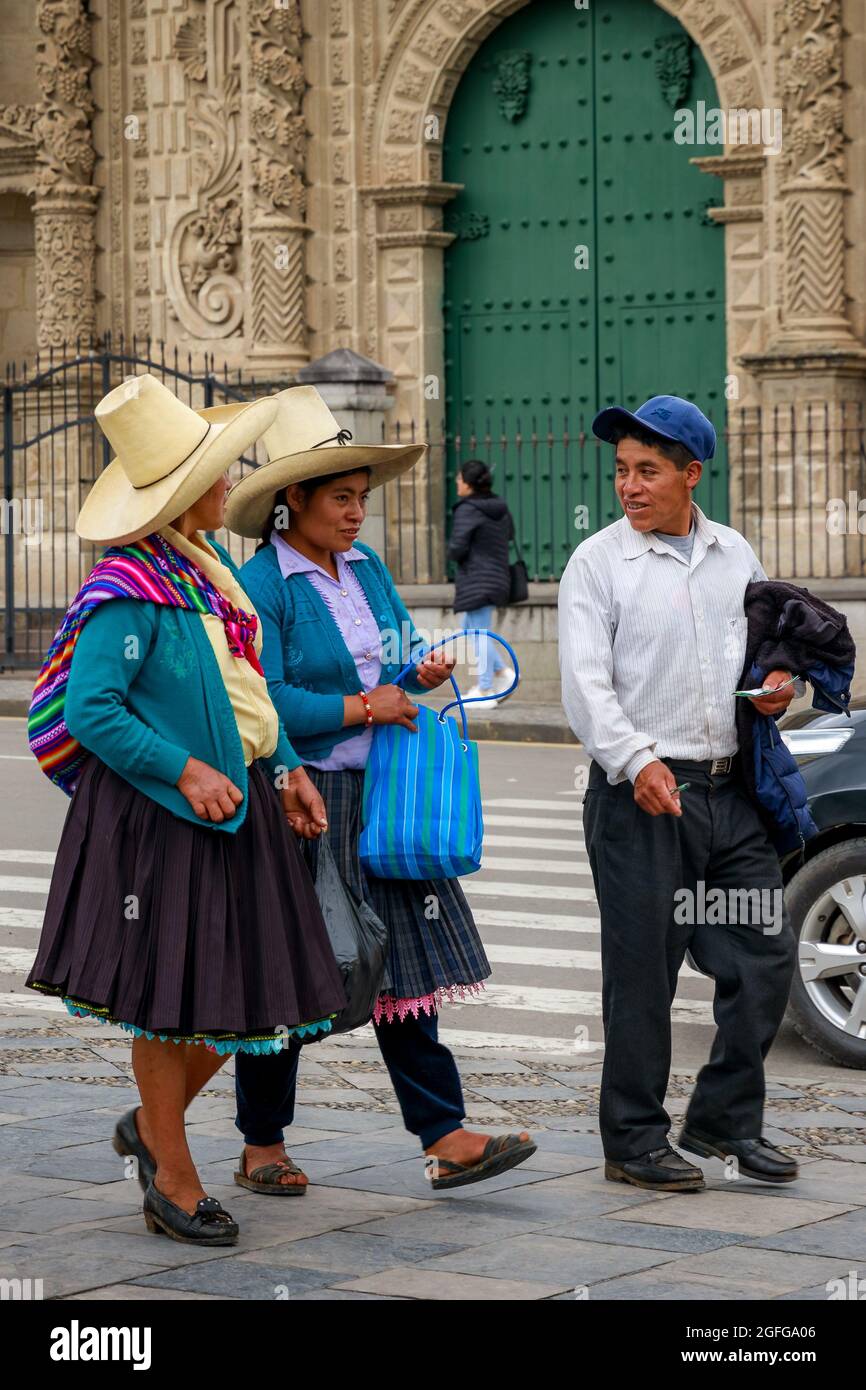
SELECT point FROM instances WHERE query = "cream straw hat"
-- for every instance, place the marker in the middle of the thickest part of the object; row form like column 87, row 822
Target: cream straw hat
column 305, row 441
column 167, row 456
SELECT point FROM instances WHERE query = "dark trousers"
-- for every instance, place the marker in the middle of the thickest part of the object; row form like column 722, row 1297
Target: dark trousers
column 645, row 868
column 422, row 1070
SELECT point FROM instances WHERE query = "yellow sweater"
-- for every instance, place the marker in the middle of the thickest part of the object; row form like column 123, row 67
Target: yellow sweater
column 256, row 717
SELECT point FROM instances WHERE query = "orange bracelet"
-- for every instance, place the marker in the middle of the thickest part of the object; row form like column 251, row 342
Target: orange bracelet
column 367, row 707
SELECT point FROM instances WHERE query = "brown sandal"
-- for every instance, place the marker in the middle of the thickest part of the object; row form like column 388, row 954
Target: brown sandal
column 265, row 1178
column 502, row 1152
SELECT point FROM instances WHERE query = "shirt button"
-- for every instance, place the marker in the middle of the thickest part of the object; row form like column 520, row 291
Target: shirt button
column 344, row 592
column 357, row 622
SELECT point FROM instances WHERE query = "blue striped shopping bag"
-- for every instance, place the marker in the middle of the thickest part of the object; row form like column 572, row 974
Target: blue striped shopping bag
column 421, row 808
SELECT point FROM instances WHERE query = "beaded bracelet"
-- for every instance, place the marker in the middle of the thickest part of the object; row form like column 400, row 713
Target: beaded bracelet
column 367, row 707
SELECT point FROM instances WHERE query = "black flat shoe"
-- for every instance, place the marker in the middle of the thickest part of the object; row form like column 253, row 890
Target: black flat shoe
column 756, row 1158
column 208, row 1225
column 660, row 1170
column 128, row 1143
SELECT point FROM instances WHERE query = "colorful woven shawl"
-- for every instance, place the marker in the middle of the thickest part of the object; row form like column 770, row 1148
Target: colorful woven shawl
column 152, row 570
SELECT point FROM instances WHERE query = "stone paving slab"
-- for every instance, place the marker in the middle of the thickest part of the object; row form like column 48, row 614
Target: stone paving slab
column 372, row 1228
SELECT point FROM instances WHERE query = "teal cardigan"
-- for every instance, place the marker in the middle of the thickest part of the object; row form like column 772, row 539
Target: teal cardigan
column 308, row 666
column 145, row 693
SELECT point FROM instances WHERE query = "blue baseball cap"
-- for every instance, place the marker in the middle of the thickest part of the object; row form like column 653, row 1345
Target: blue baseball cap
column 670, row 417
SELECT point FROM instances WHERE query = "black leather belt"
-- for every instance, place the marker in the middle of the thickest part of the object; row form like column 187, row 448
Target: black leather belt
column 716, row 767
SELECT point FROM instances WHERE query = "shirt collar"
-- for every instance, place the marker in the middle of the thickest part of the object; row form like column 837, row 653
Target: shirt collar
column 291, row 561
column 635, row 543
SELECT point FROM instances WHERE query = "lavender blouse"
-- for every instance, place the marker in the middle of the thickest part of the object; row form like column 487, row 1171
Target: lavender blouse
column 350, row 610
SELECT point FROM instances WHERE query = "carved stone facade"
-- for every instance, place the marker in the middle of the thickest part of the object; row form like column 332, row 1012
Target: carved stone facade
column 262, row 179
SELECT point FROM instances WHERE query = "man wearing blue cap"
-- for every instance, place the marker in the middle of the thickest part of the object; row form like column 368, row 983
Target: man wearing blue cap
column 652, row 637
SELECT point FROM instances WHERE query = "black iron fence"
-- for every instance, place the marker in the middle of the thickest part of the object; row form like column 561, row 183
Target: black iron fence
column 790, row 479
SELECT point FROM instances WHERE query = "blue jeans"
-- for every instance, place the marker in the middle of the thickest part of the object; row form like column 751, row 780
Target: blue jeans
column 486, row 652
column 422, row 1070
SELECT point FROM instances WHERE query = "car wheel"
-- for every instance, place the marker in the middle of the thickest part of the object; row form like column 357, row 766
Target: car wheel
column 827, row 903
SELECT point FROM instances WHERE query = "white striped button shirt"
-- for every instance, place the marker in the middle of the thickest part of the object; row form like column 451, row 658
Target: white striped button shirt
column 651, row 645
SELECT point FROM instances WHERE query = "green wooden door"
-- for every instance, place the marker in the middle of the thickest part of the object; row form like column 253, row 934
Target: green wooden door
column 562, row 133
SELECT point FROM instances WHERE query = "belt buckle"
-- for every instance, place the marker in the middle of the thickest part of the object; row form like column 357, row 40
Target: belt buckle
column 719, row 766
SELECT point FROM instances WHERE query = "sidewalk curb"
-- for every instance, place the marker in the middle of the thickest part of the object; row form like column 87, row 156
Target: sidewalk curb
column 516, row 724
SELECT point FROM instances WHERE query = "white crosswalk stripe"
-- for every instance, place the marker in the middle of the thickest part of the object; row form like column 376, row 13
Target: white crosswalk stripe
column 528, row 920
column 533, row 822
column 11, row 883
column 26, row 856
column 539, row 866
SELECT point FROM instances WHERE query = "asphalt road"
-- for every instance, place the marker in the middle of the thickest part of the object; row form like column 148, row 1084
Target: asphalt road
column 533, row 900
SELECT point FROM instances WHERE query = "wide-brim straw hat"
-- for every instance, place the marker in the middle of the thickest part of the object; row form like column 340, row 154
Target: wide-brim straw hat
column 305, row 441
column 167, row 455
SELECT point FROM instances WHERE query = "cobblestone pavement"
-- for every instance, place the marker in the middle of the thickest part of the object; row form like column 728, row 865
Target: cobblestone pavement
column 370, row 1226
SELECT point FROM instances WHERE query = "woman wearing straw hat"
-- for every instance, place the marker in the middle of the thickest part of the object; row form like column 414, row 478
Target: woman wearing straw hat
column 180, row 906
column 328, row 608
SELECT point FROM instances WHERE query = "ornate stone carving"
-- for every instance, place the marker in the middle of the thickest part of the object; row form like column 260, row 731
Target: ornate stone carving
column 809, row 75
column 205, row 292
column 726, row 48
column 412, row 81
column 433, row 42
column 402, row 126
column 815, row 246
column 810, row 83
column 673, row 66
column 63, row 66
column 202, row 250
column 66, row 200
column 65, row 255
column 18, row 120
column 275, row 64
column 190, row 47
column 277, row 189
column 511, row 84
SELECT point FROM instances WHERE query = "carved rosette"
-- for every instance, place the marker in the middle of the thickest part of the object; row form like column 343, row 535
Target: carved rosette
column 202, row 250
column 66, row 200
column 812, row 168
column 274, row 90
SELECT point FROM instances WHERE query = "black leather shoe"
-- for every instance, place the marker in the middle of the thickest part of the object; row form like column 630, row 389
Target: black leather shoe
column 208, row 1225
column 661, row 1170
column 756, row 1158
column 127, row 1142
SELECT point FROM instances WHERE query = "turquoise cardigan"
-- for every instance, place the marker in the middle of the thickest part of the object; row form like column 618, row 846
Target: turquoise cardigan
column 308, row 666
column 144, row 706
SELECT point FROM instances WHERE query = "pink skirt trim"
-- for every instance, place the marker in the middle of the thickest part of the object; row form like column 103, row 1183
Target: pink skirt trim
column 387, row 1008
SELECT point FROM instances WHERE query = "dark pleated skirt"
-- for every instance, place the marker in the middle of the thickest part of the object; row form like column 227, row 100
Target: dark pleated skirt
column 434, row 951
column 182, row 931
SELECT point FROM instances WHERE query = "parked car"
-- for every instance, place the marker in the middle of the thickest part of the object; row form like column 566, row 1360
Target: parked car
column 826, row 890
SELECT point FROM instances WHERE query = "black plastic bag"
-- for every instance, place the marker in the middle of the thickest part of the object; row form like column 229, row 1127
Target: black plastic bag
column 359, row 940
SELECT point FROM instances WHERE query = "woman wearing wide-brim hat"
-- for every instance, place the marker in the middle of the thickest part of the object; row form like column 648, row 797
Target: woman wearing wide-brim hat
column 180, row 907
column 335, row 633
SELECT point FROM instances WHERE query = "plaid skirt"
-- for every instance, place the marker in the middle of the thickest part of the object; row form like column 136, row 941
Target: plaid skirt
column 435, row 953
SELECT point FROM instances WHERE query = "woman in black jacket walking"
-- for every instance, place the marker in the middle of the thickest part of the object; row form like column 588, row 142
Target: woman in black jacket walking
column 481, row 532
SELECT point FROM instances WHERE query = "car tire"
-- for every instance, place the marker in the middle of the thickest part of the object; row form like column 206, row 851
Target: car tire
column 803, row 891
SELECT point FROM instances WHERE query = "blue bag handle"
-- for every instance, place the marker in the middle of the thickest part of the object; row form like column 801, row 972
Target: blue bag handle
column 473, row 699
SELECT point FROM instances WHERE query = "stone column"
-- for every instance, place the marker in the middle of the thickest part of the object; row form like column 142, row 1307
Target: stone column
column 357, row 391
column 812, row 371
column 275, row 189
column 66, row 199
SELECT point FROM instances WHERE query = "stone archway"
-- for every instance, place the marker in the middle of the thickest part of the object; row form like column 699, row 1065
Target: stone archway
column 785, row 274
column 431, row 46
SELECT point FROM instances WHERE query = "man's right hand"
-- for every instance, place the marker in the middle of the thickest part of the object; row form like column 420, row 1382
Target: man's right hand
column 211, row 794
column 653, row 788
column 391, row 705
